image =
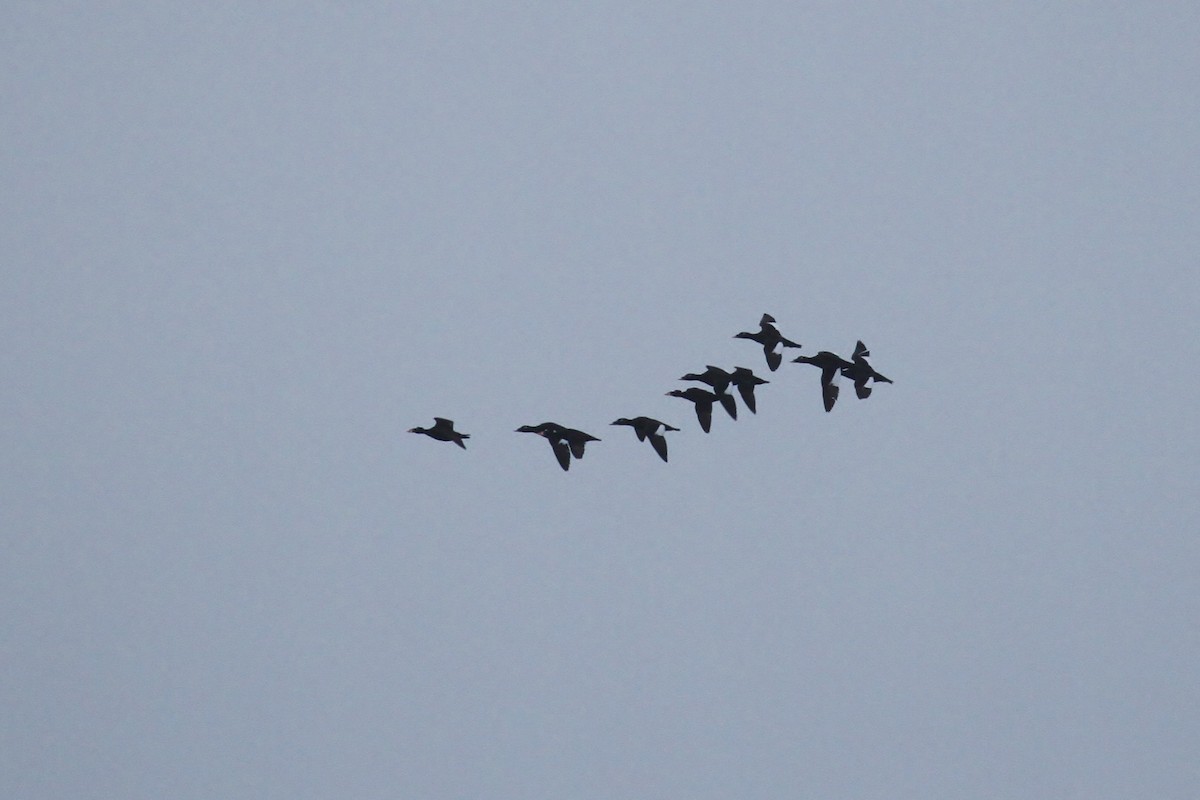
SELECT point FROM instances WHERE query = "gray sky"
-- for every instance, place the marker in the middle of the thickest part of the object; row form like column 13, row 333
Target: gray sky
column 246, row 246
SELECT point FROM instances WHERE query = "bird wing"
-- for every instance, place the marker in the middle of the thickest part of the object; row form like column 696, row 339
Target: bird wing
column 659, row 443
column 774, row 359
column 562, row 452
column 704, row 414
column 746, row 390
column 829, row 394
column 728, row 403
column 718, row 378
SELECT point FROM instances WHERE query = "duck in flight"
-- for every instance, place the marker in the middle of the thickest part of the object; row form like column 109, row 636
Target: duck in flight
column 860, row 371
column 703, row 400
column 770, row 338
column 745, row 380
column 647, row 428
column 565, row 442
column 443, row 430
column 719, row 380
column 831, row 365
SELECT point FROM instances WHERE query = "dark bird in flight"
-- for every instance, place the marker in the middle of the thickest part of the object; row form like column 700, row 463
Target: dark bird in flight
column 770, row 338
column 443, row 430
column 860, row 371
column 703, row 399
column 647, row 428
column 550, row 431
column 830, row 364
column 745, row 381
column 719, row 380
column 565, row 442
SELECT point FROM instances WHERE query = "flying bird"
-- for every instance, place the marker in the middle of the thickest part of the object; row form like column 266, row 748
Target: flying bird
column 830, row 364
column 443, row 430
column 703, row 400
column 565, row 442
column 860, row 372
column 647, row 428
column 745, row 380
column 719, row 380
column 550, row 430
column 770, row 338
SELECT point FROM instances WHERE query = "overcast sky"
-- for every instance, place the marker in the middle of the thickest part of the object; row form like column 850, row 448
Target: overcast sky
column 245, row 246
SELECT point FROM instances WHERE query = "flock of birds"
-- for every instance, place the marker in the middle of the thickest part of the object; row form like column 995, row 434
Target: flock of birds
column 568, row 443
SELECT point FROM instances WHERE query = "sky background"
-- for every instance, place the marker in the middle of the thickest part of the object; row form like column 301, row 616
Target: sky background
column 244, row 247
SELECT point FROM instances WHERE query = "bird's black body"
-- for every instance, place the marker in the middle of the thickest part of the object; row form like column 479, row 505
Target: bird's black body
column 703, row 400
column 745, row 380
column 770, row 338
column 564, row 441
column 830, row 365
column 860, row 372
column 443, row 430
column 719, row 380
column 647, row 428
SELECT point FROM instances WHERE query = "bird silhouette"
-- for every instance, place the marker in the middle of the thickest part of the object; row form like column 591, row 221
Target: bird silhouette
column 745, row 380
column 647, row 428
column 443, row 430
column 770, row 338
column 860, row 372
column 830, row 364
column 719, row 380
column 565, row 442
column 703, row 400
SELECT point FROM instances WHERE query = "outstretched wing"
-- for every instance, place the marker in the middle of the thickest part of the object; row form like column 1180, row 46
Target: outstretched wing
column 659, row 443
column 704, row 414
column 829, row 393
column 561, row 452
column 728, row 403
column 746, row 390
